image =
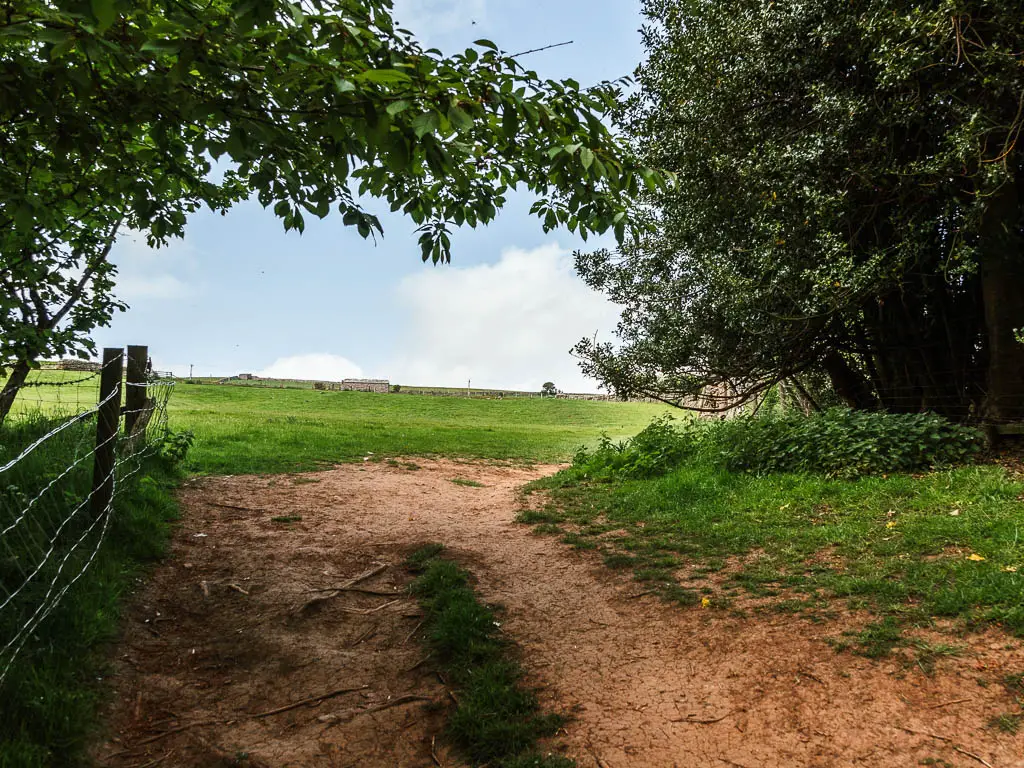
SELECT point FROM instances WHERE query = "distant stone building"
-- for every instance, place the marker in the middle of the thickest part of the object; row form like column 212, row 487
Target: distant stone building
column 70, row 365
column 382, row 386
column 246, row 376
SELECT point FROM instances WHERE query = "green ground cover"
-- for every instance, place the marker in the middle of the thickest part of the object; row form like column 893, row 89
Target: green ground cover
column 497, row 720
column 242, row 430
column 909, row 548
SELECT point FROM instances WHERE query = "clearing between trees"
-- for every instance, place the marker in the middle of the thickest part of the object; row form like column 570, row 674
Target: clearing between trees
column 235, row 653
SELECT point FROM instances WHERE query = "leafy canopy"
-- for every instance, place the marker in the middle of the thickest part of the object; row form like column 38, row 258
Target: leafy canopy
column 848, row 179
column 135, row 113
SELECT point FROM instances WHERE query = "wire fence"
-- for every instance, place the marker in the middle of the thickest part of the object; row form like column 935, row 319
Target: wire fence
column 64, row 461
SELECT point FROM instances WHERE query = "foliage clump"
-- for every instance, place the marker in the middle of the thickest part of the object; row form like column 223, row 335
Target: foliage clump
column 836, row 442
column 842, row 442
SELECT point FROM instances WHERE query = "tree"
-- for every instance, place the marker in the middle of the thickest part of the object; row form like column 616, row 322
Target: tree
column 548, row 389
column 847, row 202
column 114, row 113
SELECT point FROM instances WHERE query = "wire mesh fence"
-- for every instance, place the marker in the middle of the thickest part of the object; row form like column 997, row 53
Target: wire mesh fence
column 57, row 492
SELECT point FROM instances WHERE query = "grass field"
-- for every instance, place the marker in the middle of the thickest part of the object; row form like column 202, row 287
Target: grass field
column 242, row 429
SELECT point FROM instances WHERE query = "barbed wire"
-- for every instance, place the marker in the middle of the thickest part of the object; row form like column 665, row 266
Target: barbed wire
column 50, row 533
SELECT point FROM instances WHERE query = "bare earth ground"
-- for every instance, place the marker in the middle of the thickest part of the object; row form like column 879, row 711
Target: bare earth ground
column 218, row 639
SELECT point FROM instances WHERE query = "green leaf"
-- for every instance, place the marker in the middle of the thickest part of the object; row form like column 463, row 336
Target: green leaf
column 424, row 124
column 105, row 12
column 586, row 157
column 483, row 43
column 460, row 120
column 398, row 106
column 383, row 76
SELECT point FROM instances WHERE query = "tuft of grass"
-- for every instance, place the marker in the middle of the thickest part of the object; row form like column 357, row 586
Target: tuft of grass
column 879, row 638
column 467, row 483
column 1007, row 723
column 497, row 721
column 286, row 519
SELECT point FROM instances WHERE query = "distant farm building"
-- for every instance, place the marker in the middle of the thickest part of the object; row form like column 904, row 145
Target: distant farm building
column 247, row 377
column 382, row 386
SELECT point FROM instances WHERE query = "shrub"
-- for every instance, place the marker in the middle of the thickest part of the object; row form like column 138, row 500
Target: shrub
column 661, row 447
column 837, row 442
column 842, row 442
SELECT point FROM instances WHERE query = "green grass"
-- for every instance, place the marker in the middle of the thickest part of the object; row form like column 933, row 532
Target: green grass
column 496, row 722
column 467, row 483
column 242, row 430
column 50, row 698
column 909, row 549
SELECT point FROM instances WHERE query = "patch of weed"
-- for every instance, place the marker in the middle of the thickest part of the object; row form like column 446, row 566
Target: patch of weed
column 1007, row 723
column 496, row 720
column 879, row 638
column 286, row 519
column 467, row 483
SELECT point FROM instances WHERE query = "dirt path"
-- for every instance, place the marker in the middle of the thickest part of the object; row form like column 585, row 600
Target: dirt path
column 219, row 636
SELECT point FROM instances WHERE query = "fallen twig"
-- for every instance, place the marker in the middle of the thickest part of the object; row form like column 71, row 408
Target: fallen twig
column 347, row 585
column 811, row 677
column 375, row 708
column 414, row 631
column 947, row 703
column 238, row 589
column 179, row 729
column 418, row 664
column 433, row 753
column 236, row 506
column 155, row 761
column 363, row 636
column 311, row 700
column 949, row 741
column 641, row 594
column 695, row 721
column 367, row 611
column 360, row 590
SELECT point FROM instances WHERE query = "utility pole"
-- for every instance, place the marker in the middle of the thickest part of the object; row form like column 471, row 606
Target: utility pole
column 190, row 373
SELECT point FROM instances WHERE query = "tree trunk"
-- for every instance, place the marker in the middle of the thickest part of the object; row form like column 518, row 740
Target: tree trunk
column 19, row 373
column 848, row 383
column 1002, row 286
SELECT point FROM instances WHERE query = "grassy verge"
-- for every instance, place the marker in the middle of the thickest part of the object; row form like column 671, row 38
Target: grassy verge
column 910, row 549
column 52, row 691
column 497, row 722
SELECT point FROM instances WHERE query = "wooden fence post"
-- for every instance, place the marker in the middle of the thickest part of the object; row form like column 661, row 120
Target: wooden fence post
column 135, row 400
column 107, row 422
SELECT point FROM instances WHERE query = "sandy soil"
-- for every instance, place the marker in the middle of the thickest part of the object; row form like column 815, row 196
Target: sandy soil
column 220, row 637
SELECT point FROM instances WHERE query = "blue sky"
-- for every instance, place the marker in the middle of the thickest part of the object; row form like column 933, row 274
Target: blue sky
column 240, row 294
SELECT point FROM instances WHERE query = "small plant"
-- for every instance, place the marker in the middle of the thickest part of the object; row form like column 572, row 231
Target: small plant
column 879, row 638
column 174, row 446
column 286, row 519
column 467, row 483
column 1007, row 723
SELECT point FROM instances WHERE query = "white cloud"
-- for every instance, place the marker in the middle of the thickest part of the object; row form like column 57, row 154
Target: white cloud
column 133, row 288
column 317, row 366
column 149, row 274
column 510, row 324
column 428, row 19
